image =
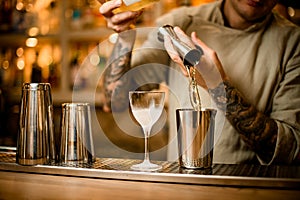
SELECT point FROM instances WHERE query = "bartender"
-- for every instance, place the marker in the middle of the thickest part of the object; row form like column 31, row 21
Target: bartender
column 250, row 70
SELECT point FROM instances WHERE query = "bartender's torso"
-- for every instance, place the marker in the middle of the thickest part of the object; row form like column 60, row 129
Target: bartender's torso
column 253, row 59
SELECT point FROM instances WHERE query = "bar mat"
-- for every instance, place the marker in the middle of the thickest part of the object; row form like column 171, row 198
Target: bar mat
column 173, row 167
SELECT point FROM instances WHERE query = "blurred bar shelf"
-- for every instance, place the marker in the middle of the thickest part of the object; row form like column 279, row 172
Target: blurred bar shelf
column 20, row 38
column 224, row 175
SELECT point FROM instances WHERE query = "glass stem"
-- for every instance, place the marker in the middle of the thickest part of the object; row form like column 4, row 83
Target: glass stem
column 147, row 133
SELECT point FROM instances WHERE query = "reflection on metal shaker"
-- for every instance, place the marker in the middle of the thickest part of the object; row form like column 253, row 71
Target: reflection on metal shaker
column 195, row 133
column 35, row 143
column 76, row 134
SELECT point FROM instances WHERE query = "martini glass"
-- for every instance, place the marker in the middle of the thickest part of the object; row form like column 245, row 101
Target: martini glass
column 146, row 107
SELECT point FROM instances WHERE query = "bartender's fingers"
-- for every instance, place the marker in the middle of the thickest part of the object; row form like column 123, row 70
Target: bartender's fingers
column 107, row 7
column 206, row 50
column 125, row 25
column 210, row 60
column 183, row 37
column 123, row 21
column 198, row 42
column 173, row 54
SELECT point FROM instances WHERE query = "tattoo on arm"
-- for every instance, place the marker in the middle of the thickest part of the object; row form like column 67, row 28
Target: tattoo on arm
column 257, row 130
column 119, row 64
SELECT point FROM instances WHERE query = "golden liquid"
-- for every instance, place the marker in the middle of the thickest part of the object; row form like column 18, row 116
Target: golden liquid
column 193, row 90
column 138, row 5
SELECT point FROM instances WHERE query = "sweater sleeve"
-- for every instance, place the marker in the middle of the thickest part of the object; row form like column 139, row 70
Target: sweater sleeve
column 286, row 106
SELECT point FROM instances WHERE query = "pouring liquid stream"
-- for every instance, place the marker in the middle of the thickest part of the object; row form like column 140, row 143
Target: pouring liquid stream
column 190, row 55
column 193, row 88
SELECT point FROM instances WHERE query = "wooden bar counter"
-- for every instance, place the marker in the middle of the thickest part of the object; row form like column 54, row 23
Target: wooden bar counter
column 112, row 179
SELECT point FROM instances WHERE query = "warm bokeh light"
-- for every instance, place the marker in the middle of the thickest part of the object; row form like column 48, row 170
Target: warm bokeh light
column 31, row 42
column 20, row 64
column 5, row 64
column 20, row 52
column 291, row 11
column 94, row 59
column 33, row 31
column 113, row 38
column 29, row 7
column 19, row 6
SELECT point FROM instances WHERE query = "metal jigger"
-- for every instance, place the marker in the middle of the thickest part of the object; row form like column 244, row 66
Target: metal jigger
column 190, row 55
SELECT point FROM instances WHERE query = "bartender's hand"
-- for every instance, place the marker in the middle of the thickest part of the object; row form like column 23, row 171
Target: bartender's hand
column 210, row 72
column 121, row 21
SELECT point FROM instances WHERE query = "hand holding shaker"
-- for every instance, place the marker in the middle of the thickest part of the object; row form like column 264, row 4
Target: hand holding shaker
column 76, row 134
column 36, row 137
column 195, row 132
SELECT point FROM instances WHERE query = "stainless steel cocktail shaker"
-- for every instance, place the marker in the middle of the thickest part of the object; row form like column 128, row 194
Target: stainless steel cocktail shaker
column 35, row 143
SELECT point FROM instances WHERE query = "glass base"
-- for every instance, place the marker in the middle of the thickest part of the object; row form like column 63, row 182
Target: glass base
column 146, row 166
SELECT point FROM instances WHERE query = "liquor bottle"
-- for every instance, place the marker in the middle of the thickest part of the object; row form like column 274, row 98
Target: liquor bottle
column 132, row 5
column 53, row 75
column 36, row 74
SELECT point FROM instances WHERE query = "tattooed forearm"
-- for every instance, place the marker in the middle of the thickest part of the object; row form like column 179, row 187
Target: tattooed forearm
column 119, row 64
column 256, row 129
